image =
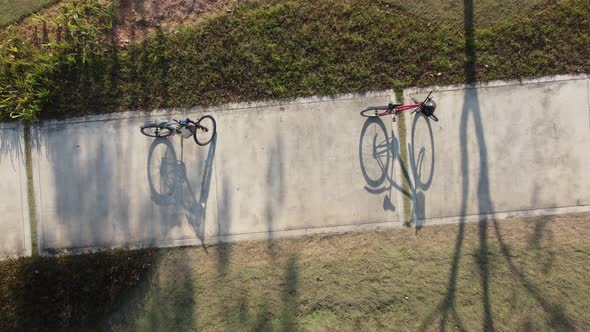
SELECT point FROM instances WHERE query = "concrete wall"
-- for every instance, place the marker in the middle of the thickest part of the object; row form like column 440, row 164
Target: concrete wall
column 275, row 169
column 313, row 165
column 14, row 211
column 504, row 148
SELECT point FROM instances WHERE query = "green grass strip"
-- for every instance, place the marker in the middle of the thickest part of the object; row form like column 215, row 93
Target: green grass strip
column 404, row 165
column 14, row 10
column 31, row 190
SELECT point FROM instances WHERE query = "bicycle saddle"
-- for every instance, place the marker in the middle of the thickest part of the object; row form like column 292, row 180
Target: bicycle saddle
column 393, row 105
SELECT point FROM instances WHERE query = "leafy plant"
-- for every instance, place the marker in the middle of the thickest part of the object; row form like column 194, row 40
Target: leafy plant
column 25, row 81
column 31, row 75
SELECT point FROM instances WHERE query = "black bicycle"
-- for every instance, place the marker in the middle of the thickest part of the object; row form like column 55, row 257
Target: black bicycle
column 203, row 130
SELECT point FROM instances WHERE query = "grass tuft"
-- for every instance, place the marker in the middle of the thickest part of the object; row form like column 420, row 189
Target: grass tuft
column 14, row 10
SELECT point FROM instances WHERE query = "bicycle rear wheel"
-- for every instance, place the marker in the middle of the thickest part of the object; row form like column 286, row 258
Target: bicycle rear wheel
column 372, row 112
column 205, row 130
column 154, row 130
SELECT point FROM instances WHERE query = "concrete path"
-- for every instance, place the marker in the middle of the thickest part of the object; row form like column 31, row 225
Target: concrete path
column 314, row 165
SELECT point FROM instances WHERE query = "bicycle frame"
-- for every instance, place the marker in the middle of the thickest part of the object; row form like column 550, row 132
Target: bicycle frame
column 406, row 107
column 185, row 128
column 177, row 126
column 402, row 108
column 395, row 109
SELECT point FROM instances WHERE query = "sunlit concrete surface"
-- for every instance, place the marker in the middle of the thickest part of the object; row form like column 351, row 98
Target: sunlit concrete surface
column 503, row 148
column 313, row 165
column 15, row 237
column 274, row 169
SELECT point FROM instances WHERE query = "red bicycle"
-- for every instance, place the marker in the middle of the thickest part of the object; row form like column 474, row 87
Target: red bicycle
column 427, row 107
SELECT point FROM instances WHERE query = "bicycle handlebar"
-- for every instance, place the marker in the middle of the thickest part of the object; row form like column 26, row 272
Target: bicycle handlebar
column 425, row 100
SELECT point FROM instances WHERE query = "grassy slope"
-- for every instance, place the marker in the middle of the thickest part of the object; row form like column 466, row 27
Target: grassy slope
column 268, row 49
column 291, row 49
column 13, row 10
column 296, row 48
column 537, row 279
column 487, row 13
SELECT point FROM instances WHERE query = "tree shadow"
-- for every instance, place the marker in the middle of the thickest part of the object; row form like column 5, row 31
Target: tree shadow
column 171, row 281
column 558, row 319
column 268, row 315
column 470, row 108
column 290, row 295
column 447, row 307
column 275, row 187
column 81, row 186
column 541, row 241
column 14, row 155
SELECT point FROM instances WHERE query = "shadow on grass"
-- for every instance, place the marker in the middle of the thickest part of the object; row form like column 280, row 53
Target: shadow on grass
column 558, row 319
column 67, row 292
column 538, row 242
column 290, row 296
column 165, row 300
column 268, row 314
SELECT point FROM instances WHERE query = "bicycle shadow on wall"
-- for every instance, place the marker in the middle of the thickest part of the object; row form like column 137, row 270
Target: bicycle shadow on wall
column 379, row 151
column 170, row 185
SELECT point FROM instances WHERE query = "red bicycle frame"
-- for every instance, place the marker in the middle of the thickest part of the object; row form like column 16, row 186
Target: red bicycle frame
column 401, row 108
column 395, row 109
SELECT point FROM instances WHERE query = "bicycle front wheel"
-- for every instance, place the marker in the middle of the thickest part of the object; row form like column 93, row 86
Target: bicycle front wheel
column 205, row 130
column 372, row 112
column 154, row 130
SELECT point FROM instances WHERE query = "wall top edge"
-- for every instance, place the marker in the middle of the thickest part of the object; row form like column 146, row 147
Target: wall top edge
column 390, row 94
column 497, row 83
column 10, row 125
column 170, row 112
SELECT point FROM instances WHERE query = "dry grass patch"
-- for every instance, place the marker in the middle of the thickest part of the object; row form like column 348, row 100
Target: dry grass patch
column 527, row 274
